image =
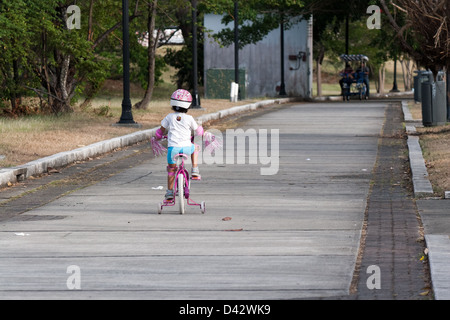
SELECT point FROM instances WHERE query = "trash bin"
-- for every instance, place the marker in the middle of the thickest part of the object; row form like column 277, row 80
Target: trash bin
column 434, row 99
column 422, row 75
column 426, row 97
column 439, row 103
column 447, row 80
column 417, row 85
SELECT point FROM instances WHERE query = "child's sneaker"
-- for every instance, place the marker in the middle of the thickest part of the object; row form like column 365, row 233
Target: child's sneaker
column 169, row 195
column 195, row 173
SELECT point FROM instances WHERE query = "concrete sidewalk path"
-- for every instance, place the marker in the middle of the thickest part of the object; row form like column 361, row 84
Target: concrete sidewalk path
column 293, row 234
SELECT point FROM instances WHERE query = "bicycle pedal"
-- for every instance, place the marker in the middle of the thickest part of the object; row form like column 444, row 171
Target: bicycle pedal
column 196, row 178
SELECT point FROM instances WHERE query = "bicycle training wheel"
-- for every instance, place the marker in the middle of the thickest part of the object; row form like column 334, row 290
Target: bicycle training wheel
column 203, row 206
column 180, row 187
column 160, row 207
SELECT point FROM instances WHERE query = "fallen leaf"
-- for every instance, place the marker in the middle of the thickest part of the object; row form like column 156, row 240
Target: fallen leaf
column 226, row 219
column 425, row 293
column 234, row 229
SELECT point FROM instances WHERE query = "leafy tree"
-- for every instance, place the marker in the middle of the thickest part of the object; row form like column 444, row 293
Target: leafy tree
column 331, row 20
column 47, row 57
column 426, row 23
column 15, row 32
column 182, row 59
column 177, row 15
column 256, row 18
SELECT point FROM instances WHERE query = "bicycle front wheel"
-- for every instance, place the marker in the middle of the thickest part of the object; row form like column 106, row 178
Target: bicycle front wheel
column 180, row 187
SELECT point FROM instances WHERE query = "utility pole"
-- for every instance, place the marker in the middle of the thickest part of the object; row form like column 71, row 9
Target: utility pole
column 346, row 33
column 394, row 88
column 236, row 47
column 127, row 117
column 282, row 85
column 195, row 96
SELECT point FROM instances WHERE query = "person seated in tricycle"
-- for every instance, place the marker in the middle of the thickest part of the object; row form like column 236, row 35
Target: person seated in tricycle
column 347, row 77
column 363, row 70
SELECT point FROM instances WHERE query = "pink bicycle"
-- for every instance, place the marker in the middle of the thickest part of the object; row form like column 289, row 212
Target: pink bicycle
column 182, row 182
column 181, row 188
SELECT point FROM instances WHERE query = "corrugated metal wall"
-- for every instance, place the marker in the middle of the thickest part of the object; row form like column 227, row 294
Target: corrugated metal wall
column 261, row 61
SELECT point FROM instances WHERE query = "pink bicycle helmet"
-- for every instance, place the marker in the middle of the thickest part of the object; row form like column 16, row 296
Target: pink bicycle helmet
column 181, row 98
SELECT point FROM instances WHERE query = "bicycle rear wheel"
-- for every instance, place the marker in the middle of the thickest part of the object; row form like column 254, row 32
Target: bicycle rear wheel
column 180, row 187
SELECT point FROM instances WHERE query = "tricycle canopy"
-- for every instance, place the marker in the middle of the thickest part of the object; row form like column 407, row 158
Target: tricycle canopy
column 353, row 57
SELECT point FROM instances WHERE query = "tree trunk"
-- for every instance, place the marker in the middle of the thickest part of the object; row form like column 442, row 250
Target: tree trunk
column 319, row 69
column 152, row 43
column 319, row 78
column 404, row 76
column 381, row 75
column 90, row 36
column 407, row 74
column 16, row 99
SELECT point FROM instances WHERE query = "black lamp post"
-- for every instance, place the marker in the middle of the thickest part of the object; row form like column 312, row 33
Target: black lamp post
column 282, row 85
column 127, row 116
column 346, row 33
column 196, row 97
column 394, row 88
column 236, row 47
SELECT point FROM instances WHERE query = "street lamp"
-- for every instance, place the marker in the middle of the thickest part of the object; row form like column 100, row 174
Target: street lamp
column 196, row 97
column 394, row 88
column 236, row 47
column 282, row 86
column 127, row 117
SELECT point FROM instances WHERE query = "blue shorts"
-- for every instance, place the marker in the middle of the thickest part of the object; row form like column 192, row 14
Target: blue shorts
column 173, row 151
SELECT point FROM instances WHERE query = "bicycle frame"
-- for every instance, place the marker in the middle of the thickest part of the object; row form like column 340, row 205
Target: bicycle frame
column 181, row 158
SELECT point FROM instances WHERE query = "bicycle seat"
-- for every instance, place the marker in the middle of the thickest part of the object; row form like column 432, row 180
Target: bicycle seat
column 180, row 156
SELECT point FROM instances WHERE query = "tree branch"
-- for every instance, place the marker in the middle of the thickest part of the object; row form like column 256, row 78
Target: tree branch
column 105, row 34
column 37, row 91
column 397, row 29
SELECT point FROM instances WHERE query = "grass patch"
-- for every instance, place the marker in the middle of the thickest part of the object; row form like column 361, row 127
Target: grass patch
column 415, row 109
column 435, row 144
column 32, row 137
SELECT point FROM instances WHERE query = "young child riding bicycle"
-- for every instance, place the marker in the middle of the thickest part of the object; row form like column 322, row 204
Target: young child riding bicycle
column 179, row 126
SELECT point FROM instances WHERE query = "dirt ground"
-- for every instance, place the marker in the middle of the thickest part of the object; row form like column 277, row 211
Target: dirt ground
column 27, row 139
column 24, row 140
column 435, row 143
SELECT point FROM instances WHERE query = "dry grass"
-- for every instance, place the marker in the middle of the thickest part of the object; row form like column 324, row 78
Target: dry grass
column 416, row 110
column 25, row 139
column 437, row 154
column 435, row 143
